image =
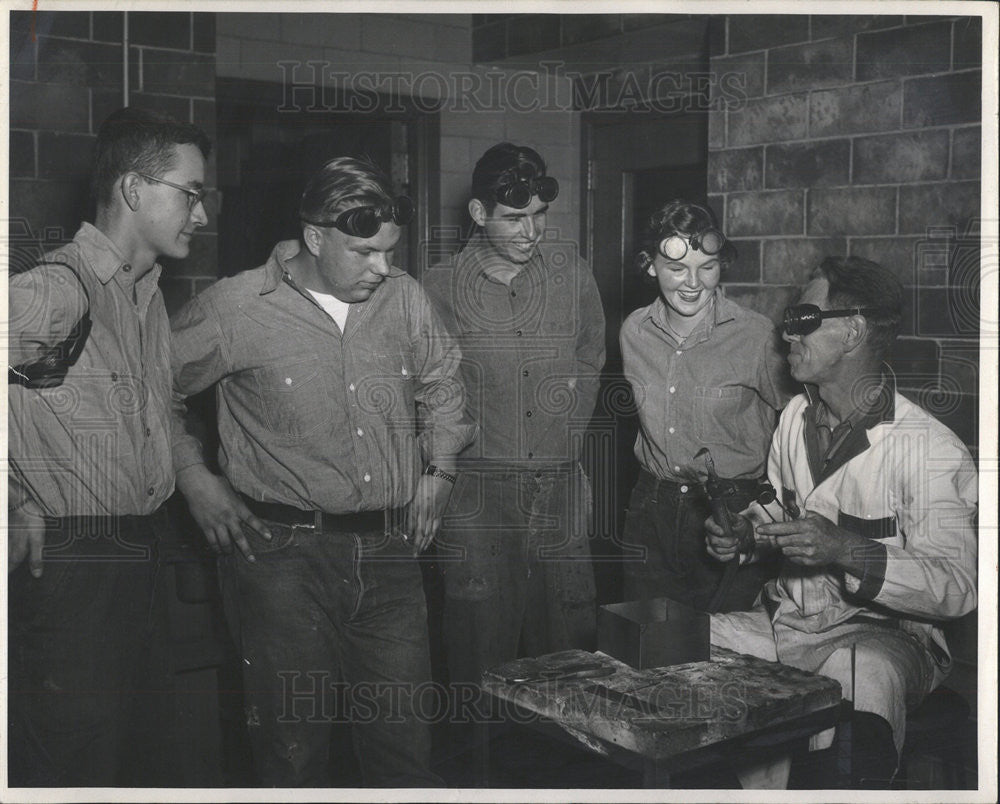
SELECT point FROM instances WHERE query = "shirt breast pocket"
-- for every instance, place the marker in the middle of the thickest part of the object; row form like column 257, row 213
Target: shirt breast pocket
column 295, row 398
column 388, row 389
column 716, row 413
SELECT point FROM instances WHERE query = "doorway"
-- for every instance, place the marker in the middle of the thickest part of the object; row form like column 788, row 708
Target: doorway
column 633, row 161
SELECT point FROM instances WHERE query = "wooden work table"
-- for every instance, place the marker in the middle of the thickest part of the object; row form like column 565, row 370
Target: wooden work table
column 669, row 719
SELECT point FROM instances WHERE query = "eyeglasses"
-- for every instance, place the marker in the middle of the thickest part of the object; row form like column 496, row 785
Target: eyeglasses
column 709, row 241
column 517, row 193
column 803, row 319
column 365, row 221
column 195, row 197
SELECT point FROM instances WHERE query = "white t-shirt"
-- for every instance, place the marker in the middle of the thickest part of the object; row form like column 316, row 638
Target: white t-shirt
column 335, row 308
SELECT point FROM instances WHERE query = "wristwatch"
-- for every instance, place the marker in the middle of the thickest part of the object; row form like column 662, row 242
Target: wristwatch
column 436, row 471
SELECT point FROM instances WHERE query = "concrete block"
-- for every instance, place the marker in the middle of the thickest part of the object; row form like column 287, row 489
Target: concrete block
column 22, row 154
column 914, row 360
column 107, row 26
column 532, row 33
column 937, row 205
column 855, row 109
column 203, row 116
column 789, row 261
column 175, row 107
column 259, row 60
column 484, row 125
column 899, row 158
column 824, row 26
column 249, row 25
column 807, row 164
column 716, row 131
column 22, row 57
column 813, row 65
column 852, row 211
column 160, row 29
column 203, row 32
column 164, row 71
column 70, row 24
column 452, row 44
column 942, row 100
column 324, row 30
column 769, row 120
column 762, row 31
column 966, row 152
column 764, row 213
column 967, row 48
column 489, row 42
column 745, row 268
column 960, row 367
column 65, row 157
column 898, row 254
column 768, row 301
column 914, row 50
column 947, row 312
column 57, row 107
column 577, row 28
column 387, row 33
column 743, row 74
column 59, row 205
column 71, row 61
column 736, row 169
column 227, row 56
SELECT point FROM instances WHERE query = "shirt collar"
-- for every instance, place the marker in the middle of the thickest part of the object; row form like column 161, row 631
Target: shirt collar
column 275, row 270
column 723, row 311
column 104, row 257
column 478, row 252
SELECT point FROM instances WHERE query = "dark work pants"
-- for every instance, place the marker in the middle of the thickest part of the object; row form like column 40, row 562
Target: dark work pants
column 516, row 561
column 332, row 628
column 77, row 642
column 665, row 553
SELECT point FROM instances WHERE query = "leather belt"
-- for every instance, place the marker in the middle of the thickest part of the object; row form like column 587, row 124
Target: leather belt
column 321, row 520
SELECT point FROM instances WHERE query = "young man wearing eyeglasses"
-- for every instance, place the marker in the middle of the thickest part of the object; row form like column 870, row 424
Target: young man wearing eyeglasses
column 527, row 313
column 876, row 526
column 706, row 374
column 90, row 456
column 340, row 412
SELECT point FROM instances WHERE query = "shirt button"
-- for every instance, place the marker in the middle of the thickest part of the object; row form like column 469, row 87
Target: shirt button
column 126, row 267
column 525, row 372
column 361, row 432
column 518, row 333
column 513, row 293
column 367, row 478
column 677, row 469
column 528, row 414
column 531, row 454
column 678, row 352
column 671, row 430
column 684, row 489
column 149, row 432
column 351, row 387
column 114, row 376
column 672, row 389
column 150, row 491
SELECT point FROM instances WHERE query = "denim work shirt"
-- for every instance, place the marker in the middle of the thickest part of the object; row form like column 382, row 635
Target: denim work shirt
column 309, row 416
column 719, row 388
column 532, row 351
column 98, row 443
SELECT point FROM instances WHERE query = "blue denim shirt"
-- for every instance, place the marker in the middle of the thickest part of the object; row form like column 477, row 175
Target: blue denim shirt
column 310, row 416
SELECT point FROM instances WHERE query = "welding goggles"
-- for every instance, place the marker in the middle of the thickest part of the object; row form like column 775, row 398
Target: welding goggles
column 365, row 221
column 803, row 319
column 709, row 241
column 517, row 192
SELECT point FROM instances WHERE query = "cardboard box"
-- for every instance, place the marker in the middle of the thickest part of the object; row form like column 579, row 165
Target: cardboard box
column 653, row 633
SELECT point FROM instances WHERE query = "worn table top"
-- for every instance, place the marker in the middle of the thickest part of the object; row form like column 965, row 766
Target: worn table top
column 664, row 712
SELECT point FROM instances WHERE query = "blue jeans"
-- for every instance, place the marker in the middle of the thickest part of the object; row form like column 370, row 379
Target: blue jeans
column 77, row 642
column 667, row 527
column 516, row 559
column 332, row 628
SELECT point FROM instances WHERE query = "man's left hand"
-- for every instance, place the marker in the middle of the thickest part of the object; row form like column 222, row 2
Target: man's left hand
column 813, row 540
column 426, row 510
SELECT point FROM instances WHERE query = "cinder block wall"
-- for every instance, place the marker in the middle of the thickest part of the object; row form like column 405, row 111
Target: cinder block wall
column 66, row 77
column 432, row 55
column 861, row 135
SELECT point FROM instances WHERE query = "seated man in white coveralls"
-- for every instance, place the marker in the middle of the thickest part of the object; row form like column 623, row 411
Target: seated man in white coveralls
column 875, row 520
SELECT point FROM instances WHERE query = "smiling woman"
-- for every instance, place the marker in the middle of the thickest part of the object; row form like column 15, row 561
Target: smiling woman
column 704, row 371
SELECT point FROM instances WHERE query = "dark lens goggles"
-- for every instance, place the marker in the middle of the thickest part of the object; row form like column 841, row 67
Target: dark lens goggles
column 517, row 194
column 365, row 221
column 709, row 241
column 803, row 319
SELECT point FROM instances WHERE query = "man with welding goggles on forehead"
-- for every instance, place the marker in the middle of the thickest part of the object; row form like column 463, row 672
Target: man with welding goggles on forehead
column 526, row 310
column 340, row 412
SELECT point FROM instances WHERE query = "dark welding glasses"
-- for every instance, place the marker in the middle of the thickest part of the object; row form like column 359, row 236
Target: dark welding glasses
column 709, row 241
column 365, row 221
column 517, row 193
column 803, row 319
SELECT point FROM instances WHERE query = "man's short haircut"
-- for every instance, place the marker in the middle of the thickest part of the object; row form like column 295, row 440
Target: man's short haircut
column 682, row 217
column 499, row 164
column 342, row 183
column 857, row 282
column 142, row 141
